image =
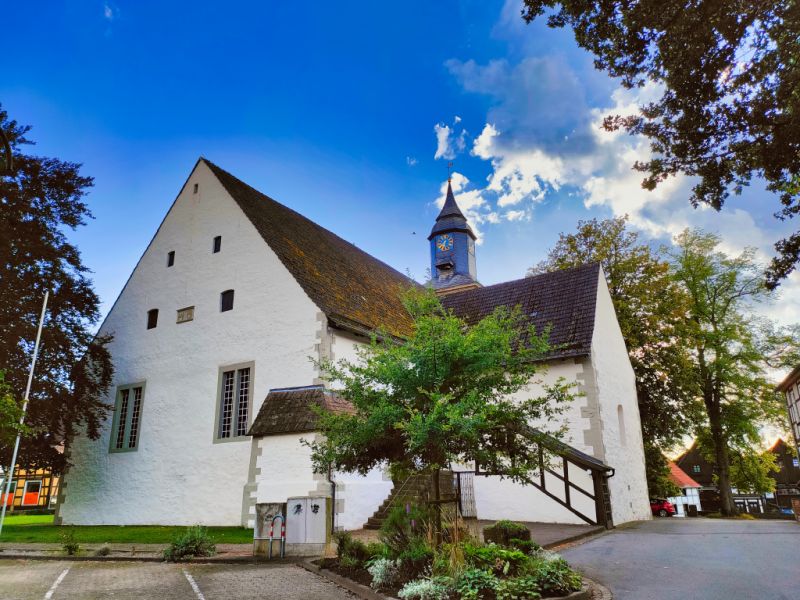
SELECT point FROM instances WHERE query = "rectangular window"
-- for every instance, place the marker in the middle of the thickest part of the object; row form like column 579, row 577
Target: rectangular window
column 127, row 418
column 217, row 244
column 235, row 398
column 152, row 318
column 196, row 187
column 226, row 301
column 696, row 468
column 11, row 492
column 170, row 258
column 30, row 497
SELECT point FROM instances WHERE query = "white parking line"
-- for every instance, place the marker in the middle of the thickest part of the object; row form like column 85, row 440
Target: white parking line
column 194, row 585
column 53, row 587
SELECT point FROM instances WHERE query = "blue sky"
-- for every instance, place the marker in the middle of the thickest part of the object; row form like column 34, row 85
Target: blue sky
column 348, row 113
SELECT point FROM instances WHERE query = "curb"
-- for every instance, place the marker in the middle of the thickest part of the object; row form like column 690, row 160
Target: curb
column 246, row 560
column 356, row 588
column 575, row 538
column 599, row 592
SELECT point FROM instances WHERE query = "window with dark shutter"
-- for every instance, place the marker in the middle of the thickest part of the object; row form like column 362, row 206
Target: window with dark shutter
column 226, row 301
column 170, row 258
column 152, row 318
column 217, row 244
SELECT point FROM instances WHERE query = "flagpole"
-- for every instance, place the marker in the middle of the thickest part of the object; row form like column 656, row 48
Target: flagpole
column 10, row 475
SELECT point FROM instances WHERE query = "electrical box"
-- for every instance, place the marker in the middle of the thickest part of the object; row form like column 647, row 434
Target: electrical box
column 307, row 520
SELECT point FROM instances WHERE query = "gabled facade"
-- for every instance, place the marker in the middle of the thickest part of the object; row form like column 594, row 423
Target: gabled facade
column 229, row 304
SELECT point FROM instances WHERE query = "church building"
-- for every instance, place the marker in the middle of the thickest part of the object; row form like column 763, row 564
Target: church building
column 213, row 339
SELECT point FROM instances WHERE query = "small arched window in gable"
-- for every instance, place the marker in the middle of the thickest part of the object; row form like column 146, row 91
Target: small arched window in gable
column 621, row 418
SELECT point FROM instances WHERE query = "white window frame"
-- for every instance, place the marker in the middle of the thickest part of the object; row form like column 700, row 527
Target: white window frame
column 25, row 492
column 127, row 425
column 236, row 406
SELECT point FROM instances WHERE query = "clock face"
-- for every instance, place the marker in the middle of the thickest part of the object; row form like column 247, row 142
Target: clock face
column 444, row 242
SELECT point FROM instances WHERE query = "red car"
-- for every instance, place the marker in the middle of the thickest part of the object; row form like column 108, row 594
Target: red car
column 662, row 508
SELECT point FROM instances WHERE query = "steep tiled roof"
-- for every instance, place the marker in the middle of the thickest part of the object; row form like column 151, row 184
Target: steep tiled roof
column 356, row 291
column 680, row 478
column 564, row 299
column 289, row 410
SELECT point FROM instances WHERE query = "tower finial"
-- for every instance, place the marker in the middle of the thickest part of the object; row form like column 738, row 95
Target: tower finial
column 449, row 174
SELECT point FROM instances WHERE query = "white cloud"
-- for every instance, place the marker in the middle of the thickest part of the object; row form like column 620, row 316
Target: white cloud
column 411, row 161
column 444, row 148
column 456, row 120
column 109, row 12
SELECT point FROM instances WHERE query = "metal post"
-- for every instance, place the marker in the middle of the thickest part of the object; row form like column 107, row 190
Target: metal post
column 24, row 410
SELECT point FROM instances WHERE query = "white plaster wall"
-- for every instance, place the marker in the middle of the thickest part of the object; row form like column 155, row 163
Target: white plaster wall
column 496, row 498
column 616, row 386
column 284, row 468
column 179, row 475
column 691, row 496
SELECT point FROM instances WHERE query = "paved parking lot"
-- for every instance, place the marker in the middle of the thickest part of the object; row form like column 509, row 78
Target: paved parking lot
column 697, row 559
column 62, row 580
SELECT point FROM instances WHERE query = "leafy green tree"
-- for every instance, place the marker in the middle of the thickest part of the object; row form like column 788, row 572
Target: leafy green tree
column 728, row 76
column 728, row 346
column 38, row 205
column 10, row 413
column 652, row 310
column 659, row 485
column 753, row 471
column 440, row 397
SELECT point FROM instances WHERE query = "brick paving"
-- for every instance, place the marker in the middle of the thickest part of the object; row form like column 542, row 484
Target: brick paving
column 90, row 580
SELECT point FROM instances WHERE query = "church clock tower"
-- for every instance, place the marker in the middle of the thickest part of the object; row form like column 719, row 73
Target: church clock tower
column 452, row 249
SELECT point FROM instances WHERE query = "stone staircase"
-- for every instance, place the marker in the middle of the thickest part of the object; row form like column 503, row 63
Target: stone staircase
column 415, row 490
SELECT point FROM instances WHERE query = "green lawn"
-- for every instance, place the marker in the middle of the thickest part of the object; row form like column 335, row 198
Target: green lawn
column 40, row 528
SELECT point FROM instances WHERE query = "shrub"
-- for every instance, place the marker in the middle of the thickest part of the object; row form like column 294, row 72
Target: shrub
column 553, row 574
column 527, row 546
column 436, row 588
column 103, row 550
column 416, row 559
column 502, row 561
column 69, row 543
column 403, row 526
column 384, row 571
column 377, row 550
column 195, row 541
column 504, row 531
column 348, row 548
column 476, row 584
column 519, row 587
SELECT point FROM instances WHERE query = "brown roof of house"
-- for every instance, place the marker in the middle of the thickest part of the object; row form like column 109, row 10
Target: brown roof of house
column 680, row 478
column 789, row 380
column 356, row 291
column 289, row 410
column 565, row 300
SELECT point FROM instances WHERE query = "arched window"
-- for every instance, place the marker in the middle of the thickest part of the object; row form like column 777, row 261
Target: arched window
column 621, row 418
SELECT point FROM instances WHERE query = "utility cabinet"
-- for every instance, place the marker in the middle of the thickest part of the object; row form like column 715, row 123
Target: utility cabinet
column 308, row 525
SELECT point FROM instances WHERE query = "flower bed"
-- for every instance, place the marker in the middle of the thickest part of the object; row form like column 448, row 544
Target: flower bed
column 408, row 565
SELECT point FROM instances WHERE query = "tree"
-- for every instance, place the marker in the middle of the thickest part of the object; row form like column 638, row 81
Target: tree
column 728, row 74
column 728, row 344
column 651, row 309
column 752, row 471
column 38, row 205
column 440, row 397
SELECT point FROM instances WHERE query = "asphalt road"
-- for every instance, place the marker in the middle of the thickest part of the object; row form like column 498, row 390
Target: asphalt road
column 62, row 580
column 695, row 559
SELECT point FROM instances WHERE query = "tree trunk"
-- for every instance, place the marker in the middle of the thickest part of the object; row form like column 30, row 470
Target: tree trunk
column 438, row 508
column 721, row 458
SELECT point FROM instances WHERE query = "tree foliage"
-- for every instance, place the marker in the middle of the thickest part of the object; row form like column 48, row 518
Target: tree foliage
column 729, row 75
column 442, row 396
column 652, row 310
column 38, row 206
column 729, row 345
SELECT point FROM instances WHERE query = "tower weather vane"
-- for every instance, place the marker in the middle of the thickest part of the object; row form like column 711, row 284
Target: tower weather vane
column 449, row 174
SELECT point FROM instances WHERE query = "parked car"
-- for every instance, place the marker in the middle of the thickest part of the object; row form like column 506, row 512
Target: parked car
column 661, row 507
